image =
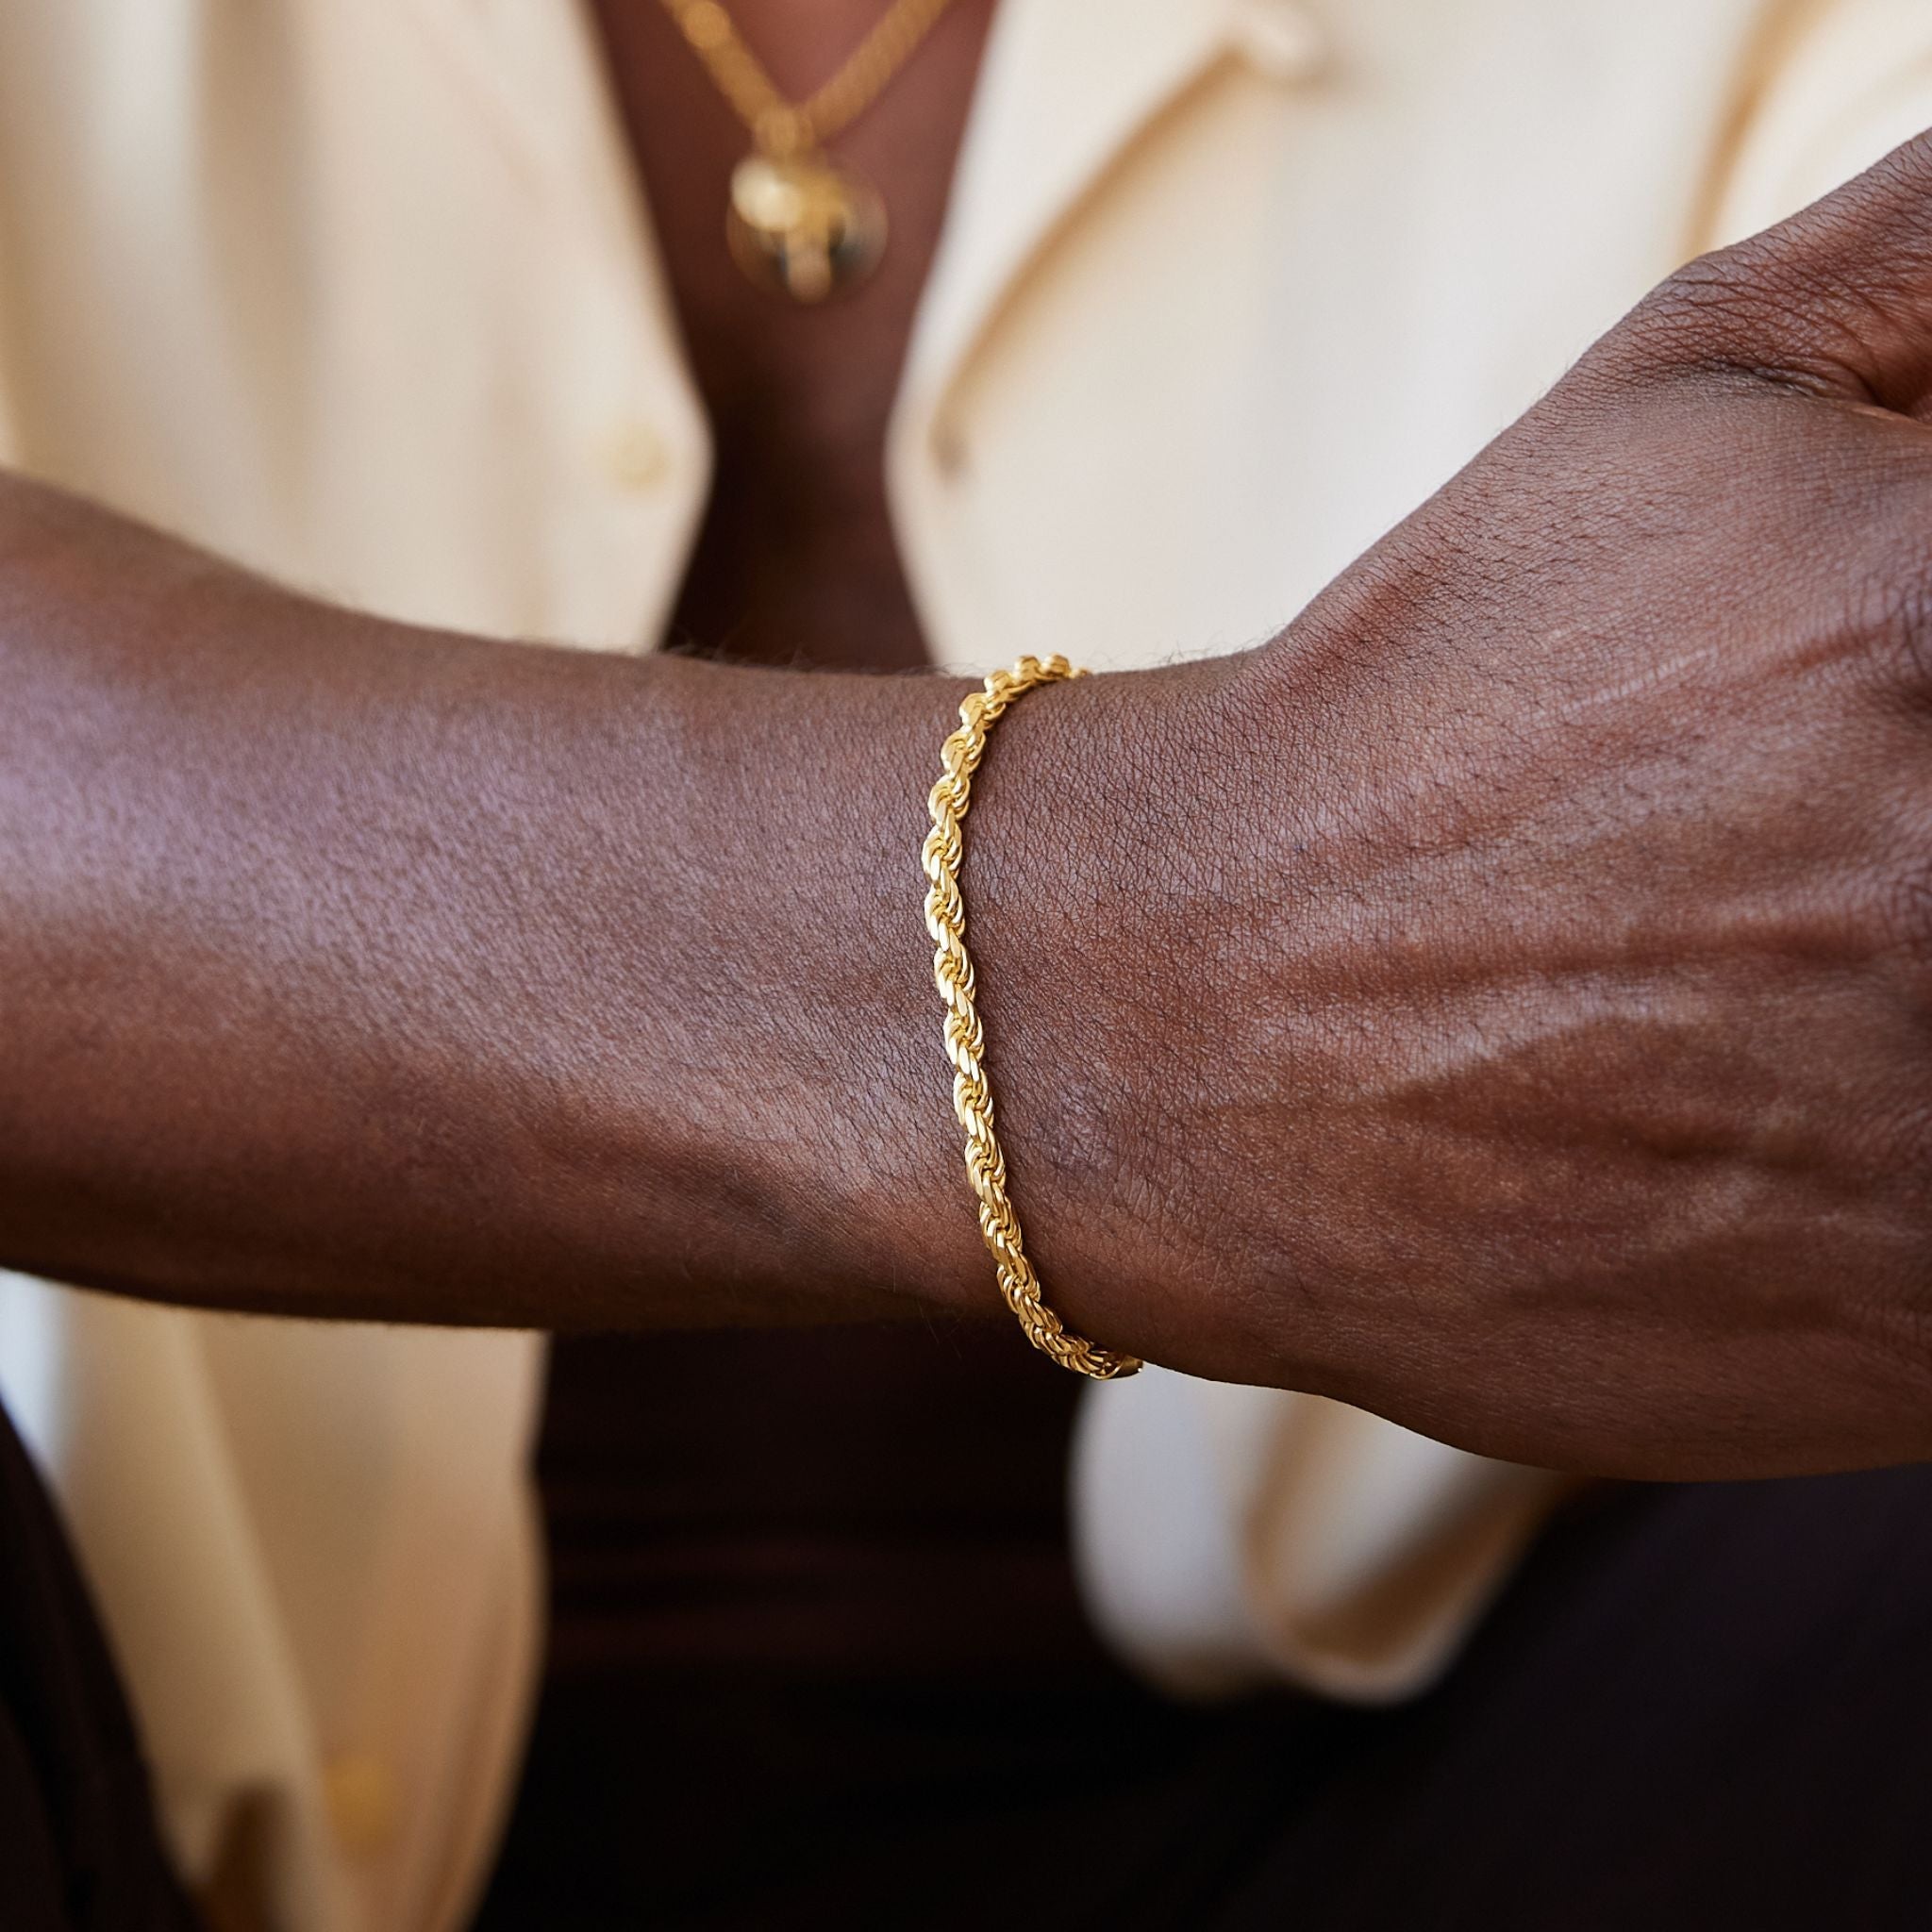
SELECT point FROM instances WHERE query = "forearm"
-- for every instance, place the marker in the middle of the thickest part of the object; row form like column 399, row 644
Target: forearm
column 355, row 969
column 1500, row 1001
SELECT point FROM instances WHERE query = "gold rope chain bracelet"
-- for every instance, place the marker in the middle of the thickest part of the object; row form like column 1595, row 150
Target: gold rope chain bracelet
column 952, row 972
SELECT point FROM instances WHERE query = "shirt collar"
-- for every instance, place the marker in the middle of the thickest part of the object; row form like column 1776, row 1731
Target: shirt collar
column 1066, row 88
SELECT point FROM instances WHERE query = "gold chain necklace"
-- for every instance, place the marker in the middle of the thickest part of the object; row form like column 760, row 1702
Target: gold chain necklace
column 797, row 224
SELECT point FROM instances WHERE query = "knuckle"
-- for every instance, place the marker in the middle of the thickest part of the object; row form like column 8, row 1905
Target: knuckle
column 1711, row 316
column 1830, row 302
column 1906, row 170
column 1743, row 317
column 1710, row 297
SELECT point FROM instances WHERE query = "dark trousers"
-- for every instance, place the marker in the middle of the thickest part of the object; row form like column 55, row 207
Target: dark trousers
column 1702, row 1707
column 1705, row 1706
column 79, row 1851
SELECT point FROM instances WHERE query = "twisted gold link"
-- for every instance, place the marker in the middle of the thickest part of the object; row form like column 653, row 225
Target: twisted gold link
column 785, row 127
column 952, row 972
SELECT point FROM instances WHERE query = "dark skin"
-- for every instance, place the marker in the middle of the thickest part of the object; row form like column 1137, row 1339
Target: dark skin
column 1501, row 1001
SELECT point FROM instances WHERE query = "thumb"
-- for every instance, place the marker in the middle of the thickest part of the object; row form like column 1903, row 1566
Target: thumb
column 1836, row 301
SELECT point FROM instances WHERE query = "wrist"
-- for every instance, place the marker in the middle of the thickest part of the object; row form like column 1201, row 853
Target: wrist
column 1070, row 858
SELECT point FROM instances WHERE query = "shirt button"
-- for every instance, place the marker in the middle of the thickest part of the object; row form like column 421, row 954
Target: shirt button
column 360, row 1794
column 1281, row 38
column 635, row 459
column 949, row 449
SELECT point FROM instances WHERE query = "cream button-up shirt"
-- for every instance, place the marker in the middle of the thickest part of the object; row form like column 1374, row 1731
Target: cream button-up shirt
column 362, row 292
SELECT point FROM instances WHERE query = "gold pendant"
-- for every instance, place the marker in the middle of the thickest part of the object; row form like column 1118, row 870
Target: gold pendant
column 802, row 227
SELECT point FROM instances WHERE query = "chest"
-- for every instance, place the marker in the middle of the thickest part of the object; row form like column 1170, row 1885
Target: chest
column 796, row 558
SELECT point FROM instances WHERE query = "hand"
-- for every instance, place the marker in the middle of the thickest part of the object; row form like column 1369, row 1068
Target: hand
column 1506, row 1000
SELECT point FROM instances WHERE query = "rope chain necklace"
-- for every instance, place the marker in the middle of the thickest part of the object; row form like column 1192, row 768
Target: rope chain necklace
column 797, row 224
